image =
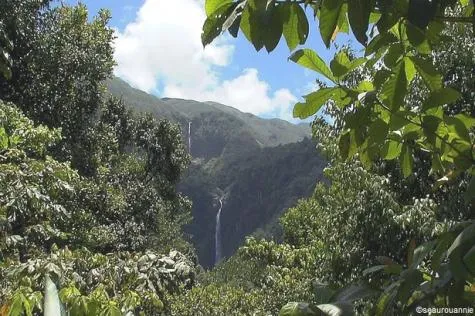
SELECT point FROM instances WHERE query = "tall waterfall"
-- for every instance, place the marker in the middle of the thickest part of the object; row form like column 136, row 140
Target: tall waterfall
column 189, row 137
column 217, row 234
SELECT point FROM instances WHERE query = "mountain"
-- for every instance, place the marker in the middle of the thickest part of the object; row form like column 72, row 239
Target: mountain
column 264, row 166
column 213, row 125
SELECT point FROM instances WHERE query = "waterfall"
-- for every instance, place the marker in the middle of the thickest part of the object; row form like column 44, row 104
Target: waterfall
column 217, row 234
column 189, row 137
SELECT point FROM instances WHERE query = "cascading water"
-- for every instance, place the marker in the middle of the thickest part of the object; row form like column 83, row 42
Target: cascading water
column 189, row 137
column 217, row 234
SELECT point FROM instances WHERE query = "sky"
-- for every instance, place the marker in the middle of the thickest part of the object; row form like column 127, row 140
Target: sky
column 158, row 50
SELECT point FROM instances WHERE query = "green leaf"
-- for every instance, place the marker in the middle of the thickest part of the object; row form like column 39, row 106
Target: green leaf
column 443, row 243
column 394, row 89
column 467, row 236
column 441, row 97
column 340, row 64
column 213, row 25
column 386, row 299
column 212, row 5
column 252, row 23
column 391, row 150
column 274, row 29
column 358, row 16
column 343, row 26
column 380, row 41
column 330, row 11
column 409, row 68
column 313, row 102
column 295, row 24
column 429, row 74
column 406, row 160
column 309, row 59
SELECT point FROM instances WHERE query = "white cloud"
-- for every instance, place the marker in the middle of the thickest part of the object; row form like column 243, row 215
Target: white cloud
column 246, row 92
column 163, row 45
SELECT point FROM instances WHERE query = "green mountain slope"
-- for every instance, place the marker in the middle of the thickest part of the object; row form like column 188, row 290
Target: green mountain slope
column 264, row 164
column 210, row 120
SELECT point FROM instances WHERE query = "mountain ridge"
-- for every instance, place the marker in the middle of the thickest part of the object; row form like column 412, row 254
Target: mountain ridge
column 268, row 132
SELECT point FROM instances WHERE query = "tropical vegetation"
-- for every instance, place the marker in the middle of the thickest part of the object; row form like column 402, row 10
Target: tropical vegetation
column 91, row 221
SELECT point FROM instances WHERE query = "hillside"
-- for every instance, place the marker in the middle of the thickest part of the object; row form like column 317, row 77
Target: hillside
column 212, row 124
column 264, row 164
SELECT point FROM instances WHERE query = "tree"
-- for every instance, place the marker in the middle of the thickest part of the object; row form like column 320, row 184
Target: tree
column 379, row 123
column 58, row 63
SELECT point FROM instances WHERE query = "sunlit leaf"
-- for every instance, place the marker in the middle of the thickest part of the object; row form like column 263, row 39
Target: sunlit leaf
column 329, row 14
column 309, row 59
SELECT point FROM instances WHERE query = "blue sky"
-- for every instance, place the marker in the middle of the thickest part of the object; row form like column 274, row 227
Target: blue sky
column 158, row 50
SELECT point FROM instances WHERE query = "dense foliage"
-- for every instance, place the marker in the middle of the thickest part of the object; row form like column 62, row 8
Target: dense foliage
column 87, row 188
column 88, row 200
column 401, row 230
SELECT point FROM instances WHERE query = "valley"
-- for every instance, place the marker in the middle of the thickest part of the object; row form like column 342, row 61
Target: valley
column 264, row 166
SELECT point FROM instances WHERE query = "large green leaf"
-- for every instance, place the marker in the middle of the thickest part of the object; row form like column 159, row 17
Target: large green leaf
column 253, row 22
column 394, row 89
column 295, row 24
column 358, row 16
column 213, row 25
column 313, row 102
column 340, row 64
column 274, row 29
column 212, row 5
column 386, row 299
column 443, row 243
column 391, row 150
column 330, row 11
column 406, row 160
column 466, row 237
column 309, row 59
